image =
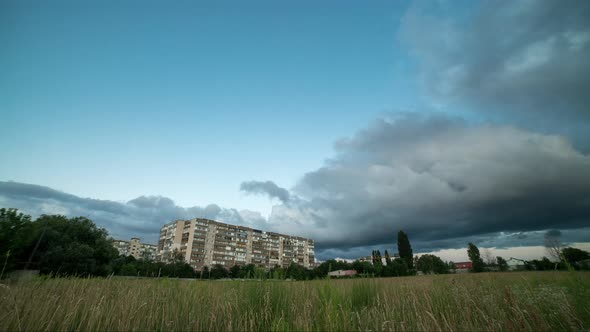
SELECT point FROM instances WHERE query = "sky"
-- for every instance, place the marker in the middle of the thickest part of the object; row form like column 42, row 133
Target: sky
column 454, row 121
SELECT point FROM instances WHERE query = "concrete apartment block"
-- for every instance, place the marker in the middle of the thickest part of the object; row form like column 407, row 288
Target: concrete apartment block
column 136, row 249
column 203, row 242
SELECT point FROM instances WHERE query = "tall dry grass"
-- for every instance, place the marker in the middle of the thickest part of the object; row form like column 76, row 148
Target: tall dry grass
column 499, row 301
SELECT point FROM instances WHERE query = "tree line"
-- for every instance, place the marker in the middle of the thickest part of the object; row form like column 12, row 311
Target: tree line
column 57, row 245
column 62, row 246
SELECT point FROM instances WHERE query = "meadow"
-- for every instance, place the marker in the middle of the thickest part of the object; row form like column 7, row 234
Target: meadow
column 533, row 301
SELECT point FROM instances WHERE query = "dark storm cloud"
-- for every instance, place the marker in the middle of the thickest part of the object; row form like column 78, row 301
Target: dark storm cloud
column 440, row 180
column 142, row 216
column 265, row 187
column 523, row 60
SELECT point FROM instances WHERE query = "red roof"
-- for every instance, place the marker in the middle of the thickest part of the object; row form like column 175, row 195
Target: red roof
column 463, row 265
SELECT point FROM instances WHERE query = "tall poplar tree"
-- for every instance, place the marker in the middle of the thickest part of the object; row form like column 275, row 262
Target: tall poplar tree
column 387, row 258
column 405, row 249
column 475, row 258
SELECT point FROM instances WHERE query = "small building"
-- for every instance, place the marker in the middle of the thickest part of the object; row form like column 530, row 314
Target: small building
column 342, row 273
column 463, row 266
column 515, row 264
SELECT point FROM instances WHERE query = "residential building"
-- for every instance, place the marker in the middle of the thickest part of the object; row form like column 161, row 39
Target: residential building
column 204, row 242
column 342, row 273
column 462, row 267
column 136, row 249
column 516, row 264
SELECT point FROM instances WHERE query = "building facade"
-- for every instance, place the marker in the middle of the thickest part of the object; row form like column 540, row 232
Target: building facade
column 204, row 242
column 136, row 249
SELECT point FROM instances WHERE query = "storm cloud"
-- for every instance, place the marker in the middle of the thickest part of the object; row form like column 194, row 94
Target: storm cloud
column 440, row 179
column 268, row 188
column 526, row 61
column 142, row 216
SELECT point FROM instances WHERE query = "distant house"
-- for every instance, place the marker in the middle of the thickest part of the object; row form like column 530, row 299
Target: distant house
column 463, row 266
column 342, row 273
column 516, row 264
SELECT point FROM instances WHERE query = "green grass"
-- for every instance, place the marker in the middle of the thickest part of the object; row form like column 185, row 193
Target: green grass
column 537, row 301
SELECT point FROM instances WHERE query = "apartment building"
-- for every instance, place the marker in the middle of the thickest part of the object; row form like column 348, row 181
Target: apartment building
column 204, row 242
column 136, row 249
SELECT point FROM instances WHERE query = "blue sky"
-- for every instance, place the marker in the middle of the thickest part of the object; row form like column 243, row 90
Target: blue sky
column 342, row 118
column 188, row 100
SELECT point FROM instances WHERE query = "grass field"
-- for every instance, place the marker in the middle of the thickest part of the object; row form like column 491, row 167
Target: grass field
column 497, row 301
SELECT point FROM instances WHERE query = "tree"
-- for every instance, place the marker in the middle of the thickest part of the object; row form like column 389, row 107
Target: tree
column 432, row 264
column 553, row 244
column 488, row 257
column 205, row 273
column 405, row 249
column 398, row 268
column 296, row 271
column 218, row 271
column 278, row 273
column 15, row 238
column 234, row 271
column 502, row 264
column 378, row 263
column 387, row 258
column 574, row 256
column 363, row 268
column 474, row 256
column 71, row 246
column 452, row 267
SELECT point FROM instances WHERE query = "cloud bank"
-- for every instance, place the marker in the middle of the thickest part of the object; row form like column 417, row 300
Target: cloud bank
column 526, row 61
column 443, row 181
column 440, row 179
column 142, row 216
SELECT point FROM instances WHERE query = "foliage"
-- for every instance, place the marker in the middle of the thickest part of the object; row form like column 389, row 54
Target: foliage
column 405, row 249
column 363, row 268
column 296, row 272
column 397, row 268
column 218, row 271
column 377, row 262
column 545, row 264
column 574, row 256
column 475, row 258
column 502, row 264
column 55, row 244
column 431, row 264
column 129, row 266
column 15, row 238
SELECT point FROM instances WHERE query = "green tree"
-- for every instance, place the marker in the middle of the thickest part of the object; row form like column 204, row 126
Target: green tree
column 278, row 273
column 128, row 269
column 429, row 264
column 296, row 271
column 15, row 239
column 378, row 263
column 218, row 271
column 205, row 273
column 399, row 268
column 363, row 268
column 71, row 246
column 502, row 264
column 574, row 255
column 475, row 257
column 234, row 271
column 405, row 249
column 387, row 258
column 451, row 266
